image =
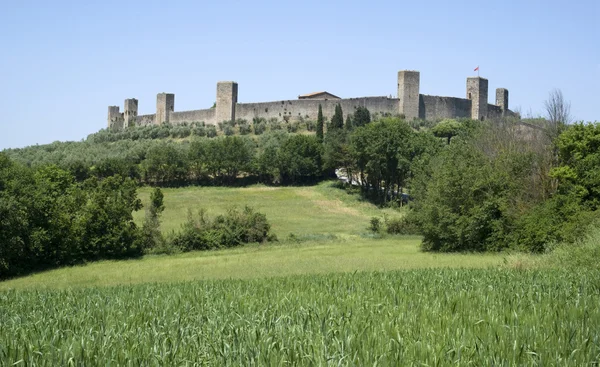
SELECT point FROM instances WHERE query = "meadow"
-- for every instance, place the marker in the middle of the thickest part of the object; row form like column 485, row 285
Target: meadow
column 328, row 293
column 305, row 211
column 322, row 229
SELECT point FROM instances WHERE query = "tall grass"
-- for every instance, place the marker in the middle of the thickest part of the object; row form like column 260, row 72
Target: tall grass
column 582, row 254
column 421, row 317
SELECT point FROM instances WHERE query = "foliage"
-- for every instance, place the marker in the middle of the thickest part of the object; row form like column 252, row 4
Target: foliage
column 151, row 237
column 375, row 225
column 320, row 124
column 361, row 117
column 232, row 229
column 299, row 158
column 337, row 120
column 48, row 220
column 383, row 154
column 447, row 129
column 401, row 225
column 583, row 254
column 573, row 207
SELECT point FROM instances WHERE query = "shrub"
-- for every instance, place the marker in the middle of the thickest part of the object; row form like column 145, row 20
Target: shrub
column 229, row 230
column 375, row 225
column 401, row 226
column 211, row 131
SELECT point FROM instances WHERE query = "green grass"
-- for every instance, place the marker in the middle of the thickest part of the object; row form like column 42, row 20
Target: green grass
column 425, row 317
column 256, row 261
column 333, row 296
column 304, row 211
column 329, row 226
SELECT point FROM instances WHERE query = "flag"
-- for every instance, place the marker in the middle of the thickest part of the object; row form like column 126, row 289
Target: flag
column 477, row 68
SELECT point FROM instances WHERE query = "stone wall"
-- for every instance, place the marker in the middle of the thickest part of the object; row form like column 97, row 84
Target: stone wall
column 207, row 116
column 409, row 102
column 435, row 107
column 145, row 120
column 308, row 109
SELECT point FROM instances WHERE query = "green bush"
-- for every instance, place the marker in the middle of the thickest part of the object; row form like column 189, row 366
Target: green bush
column 578, row 256
column 375, row 225
column 229, row 230
column 401, row 225
column 211, row 131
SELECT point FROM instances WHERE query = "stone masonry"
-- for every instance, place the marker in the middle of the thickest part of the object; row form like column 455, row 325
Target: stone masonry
column 410, row 103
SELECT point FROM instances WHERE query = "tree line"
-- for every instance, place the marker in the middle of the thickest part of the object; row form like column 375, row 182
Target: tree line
column 48, row 219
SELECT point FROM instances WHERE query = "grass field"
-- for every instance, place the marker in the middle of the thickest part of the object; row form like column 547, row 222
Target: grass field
column 330, row 295
column 330, row 229
column 305, row 211
column 426, row 317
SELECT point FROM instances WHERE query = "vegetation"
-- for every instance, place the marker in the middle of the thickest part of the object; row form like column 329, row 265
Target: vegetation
column 320, row 124
column 433, row 317
column 49, row 220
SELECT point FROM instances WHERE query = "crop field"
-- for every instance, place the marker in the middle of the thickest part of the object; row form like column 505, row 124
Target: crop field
column 417, row 317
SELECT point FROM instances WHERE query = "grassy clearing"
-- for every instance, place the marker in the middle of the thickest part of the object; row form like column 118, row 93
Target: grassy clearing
column 304, row 211
column 331, row 227
column 257, row 261
column 419, row 317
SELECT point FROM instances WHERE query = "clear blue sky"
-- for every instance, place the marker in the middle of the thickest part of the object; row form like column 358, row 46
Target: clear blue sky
column 63, row 62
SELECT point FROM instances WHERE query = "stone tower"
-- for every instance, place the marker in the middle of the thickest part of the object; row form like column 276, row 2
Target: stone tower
column 502, row 99
column 165, row 104
column 477, row 92
column 227, row 94
column 408, row 93
column 130, row 113
column 115, row 119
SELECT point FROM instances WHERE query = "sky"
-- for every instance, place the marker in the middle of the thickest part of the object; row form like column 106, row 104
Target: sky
column 62, row 63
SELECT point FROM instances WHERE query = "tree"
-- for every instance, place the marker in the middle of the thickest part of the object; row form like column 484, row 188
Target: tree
column 362, row 116
column 558, row 111
column 337, row 121
column 300, row 158
column 320, row 123
column 447, row 129
column 151, row 236
column 349, row 125
column 382, row 153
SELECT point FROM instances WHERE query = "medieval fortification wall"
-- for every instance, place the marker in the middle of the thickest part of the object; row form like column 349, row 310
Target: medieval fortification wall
column 410, row 103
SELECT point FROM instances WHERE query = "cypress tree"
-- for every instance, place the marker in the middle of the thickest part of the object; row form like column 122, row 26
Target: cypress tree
column 320, row 122
column 337, row 121
column 349, row 122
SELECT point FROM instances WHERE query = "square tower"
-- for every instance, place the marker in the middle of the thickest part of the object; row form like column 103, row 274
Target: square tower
column 130, row 113
column 502, row 99
column 227, row 94
column 115, row 118
column 477, row 92
column 165, row 104
column 408, row 93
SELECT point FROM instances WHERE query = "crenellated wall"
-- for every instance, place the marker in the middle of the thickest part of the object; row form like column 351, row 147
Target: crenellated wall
column 410, row 103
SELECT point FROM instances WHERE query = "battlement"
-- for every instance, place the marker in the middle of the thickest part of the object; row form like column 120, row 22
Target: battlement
column 410, row 103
